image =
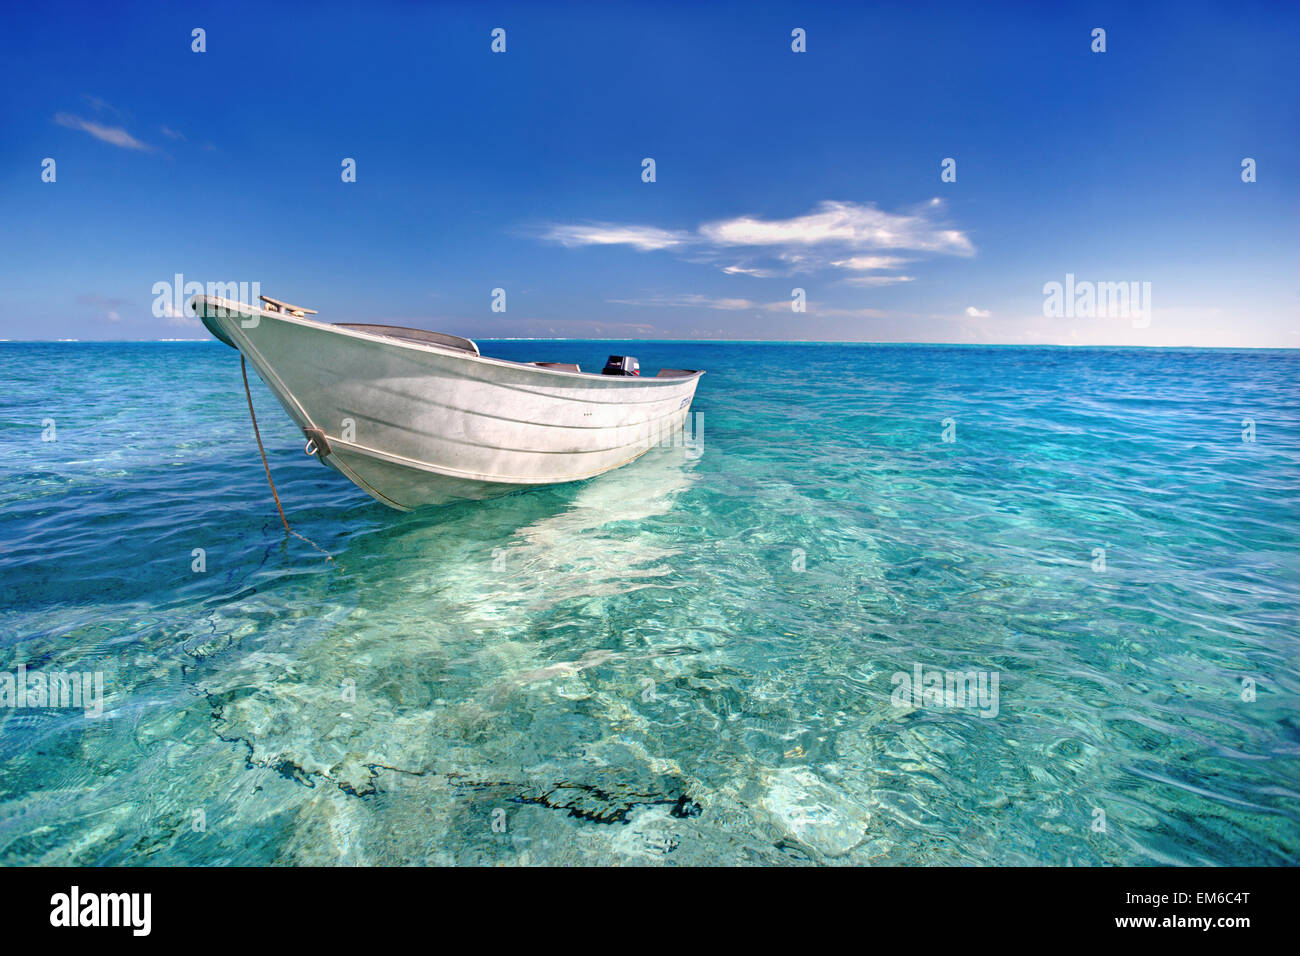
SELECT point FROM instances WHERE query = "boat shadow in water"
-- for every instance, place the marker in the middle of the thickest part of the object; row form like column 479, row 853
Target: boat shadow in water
column 587, row 536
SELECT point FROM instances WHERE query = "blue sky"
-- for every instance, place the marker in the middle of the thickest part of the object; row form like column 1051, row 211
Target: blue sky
column 775, row 170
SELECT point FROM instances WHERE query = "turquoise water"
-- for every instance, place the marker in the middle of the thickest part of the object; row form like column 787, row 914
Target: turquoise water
column 689, row 660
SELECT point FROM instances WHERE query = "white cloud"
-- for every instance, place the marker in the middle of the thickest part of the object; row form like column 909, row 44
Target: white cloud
column 864, row 263
column 975, row 313
column 645, row 238
column 109, row 134
column 851, row 236
column 739, row 270
column 847, row 225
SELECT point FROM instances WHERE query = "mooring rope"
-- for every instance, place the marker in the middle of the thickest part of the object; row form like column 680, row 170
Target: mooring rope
column 243, row 370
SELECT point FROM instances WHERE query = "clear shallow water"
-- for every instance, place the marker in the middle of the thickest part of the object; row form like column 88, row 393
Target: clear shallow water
column 631, row 668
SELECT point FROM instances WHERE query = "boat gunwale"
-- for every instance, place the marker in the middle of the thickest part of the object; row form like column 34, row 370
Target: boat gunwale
column 615, row 381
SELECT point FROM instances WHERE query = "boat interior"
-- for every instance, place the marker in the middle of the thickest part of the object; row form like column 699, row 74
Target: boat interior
column 415, row 335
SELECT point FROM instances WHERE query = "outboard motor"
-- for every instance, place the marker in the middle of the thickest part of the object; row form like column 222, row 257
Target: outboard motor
column 622, row 365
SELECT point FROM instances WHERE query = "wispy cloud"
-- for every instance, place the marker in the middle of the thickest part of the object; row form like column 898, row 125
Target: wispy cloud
column 645, row 238
column 975, row 313
column 115, row 135
column 109, row 305
column 743, row 270
column 690, row 301
column 101, row 105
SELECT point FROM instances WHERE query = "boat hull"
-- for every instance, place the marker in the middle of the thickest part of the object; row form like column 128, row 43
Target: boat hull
column 415, row 424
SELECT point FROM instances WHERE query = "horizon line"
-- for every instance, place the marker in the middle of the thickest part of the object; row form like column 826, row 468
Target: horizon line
column 680, row 341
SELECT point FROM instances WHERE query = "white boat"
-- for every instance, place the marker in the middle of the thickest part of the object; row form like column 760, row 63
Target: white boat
column 421, row 418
